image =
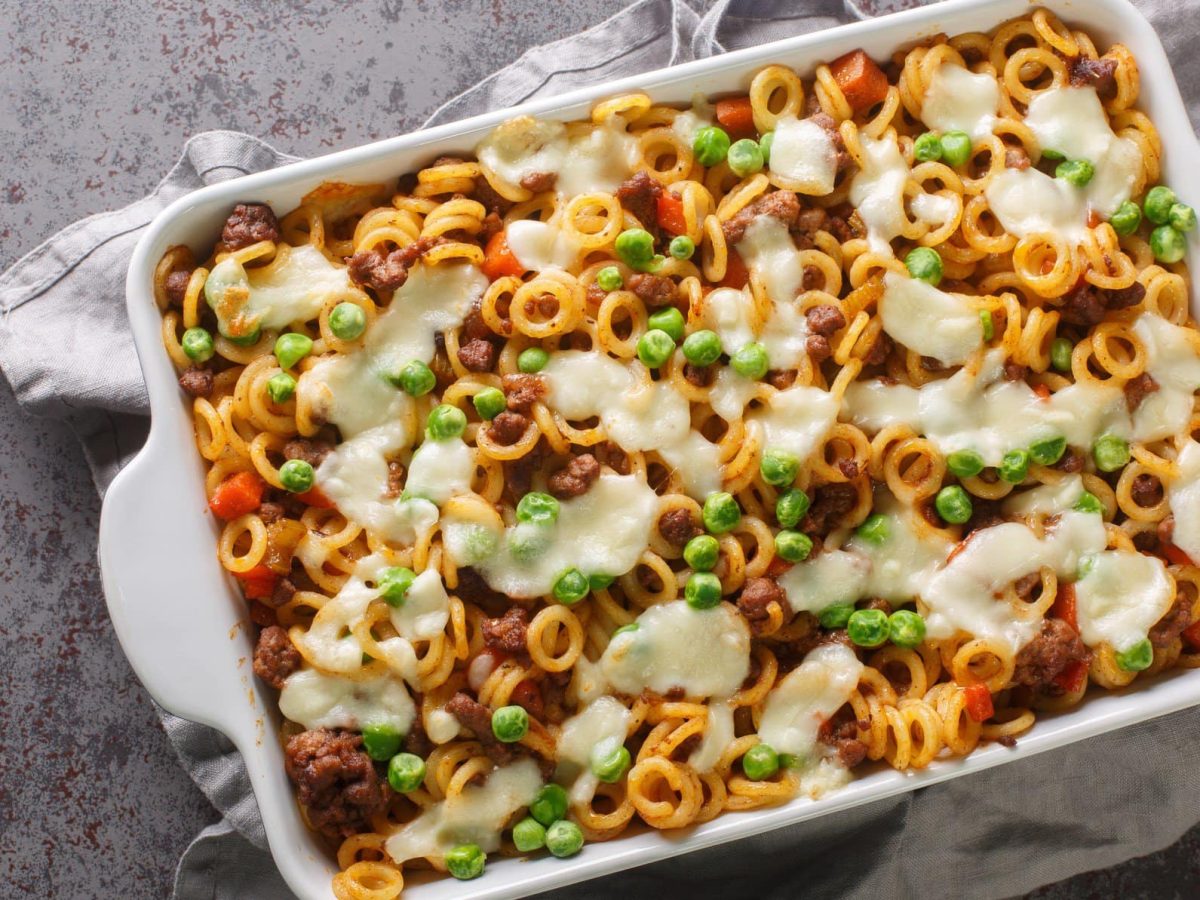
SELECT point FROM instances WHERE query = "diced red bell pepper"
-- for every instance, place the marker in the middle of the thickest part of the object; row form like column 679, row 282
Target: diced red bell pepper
column 1191, row 634
column 258, row 583
column 1070, row 679
column 669, row 210
column 979, row 702
column 316, row 498
column 1175, row 555
column 736, row 274
column 1064, row 605
column 498, row 258
column 736, row 116
column 237, row 495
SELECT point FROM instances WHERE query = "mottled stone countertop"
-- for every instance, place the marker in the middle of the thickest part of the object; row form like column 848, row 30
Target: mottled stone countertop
column 97, row 100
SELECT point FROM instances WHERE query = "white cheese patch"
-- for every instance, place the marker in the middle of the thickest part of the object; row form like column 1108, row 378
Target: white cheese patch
column 1173, row 359
column 591, row 734
column 803, row 155
column 1183, row 495
column 539, row 246
column 1045, row 499
column 796, row 419
column 440, row 470
column 718, row 735
column 807, row 697
column 1121, row 597
column 929, row 321
column 317, row 699
column 960, row 100
column 878, row 191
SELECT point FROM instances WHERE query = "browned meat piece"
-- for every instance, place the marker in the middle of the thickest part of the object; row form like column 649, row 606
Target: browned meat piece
column 808, row 223
column 845, row 223
column 1172, row 624
column 492, row 224
column 1026, row 585
column 818, row 347
column 395, row 479
column 417, row 741
column 507, row 428
column 611, row 455
column 476, row 717
column 386, row 273
column 879, row 351
column 271, row 512
column 1056, row 647
column 197, row 382
column 878, row 603
column 1016, row 158
column 274, row 656
column 984, row 514
column 929, row 364
column 639, row 194
column 1097, row 73
column 700, row 376
column 1126, row 297
column 477, row 356
column 574, row 479
column 335, row 780
column 312, row 452
column 176, row 287
column 1146, row 490
column 678, row 526
column 653, row 290
column 1137, row 388
column 507, row 633
column 851, row 752
column 1072, row 461
column 248, row 224
column 825, row 319
column 491, row 200
column 1015, row 371
column 781, row 205
column 284, row 591
column 473, row 589
column 849, row 468
column 539, row 181
column 523, row 391
column 830, row 503
column 1087, row 304
column 823, row 119
column 757, row 595
column 811, row 278
column 781, row 379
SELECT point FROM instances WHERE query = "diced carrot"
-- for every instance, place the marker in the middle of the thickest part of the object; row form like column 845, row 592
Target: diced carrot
column 1042, row 391
column 1070, row 679
column 736, row 116
column 736, row 275
column 498, row 259
column 258, row 583
column 237, row 495
column 1064, row 605
column 670, row 213
column 1191, row 634
column 314, row 497
column 778, row 566
column 1175, row 555
column 862, row 82
column 979, row 702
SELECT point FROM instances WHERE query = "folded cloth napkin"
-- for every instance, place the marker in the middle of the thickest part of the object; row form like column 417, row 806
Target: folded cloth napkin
column 995, row 834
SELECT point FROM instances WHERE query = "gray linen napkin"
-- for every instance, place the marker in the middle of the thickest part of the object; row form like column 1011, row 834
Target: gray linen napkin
column 997, row 833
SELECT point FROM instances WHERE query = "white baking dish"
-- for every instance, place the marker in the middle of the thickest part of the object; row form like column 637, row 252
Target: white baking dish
column 183, row 623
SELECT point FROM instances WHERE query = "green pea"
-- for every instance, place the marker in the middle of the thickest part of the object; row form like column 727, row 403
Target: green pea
column 710, row 145
column 1053, row 155
column 1060, row 354
column 529, row 835
column 510, row 724
column 1157, row 204
column 405, row 772
column 703, row 590
column 779, row 467
column 197, row 345
column 539, row 508
column 465, row 862
column 927, row 148
column 655, row 347
column 599, row 582
column 751, row 361
column 609, row 767
column 445, row 422
column 570, row 587
column 791, row 507
column 489, row 403
column 245, row 340
column 1110, row 452
column 381, row 741
column 868, row 627
column 1049, row 451
column 669, row 320
column 393, row 583
column 682, row 247
column 721, row 512
column 760, row 762
column 626, row 629
column 790, row 761
column 1089, row 502
column 347, row 321
column 702, row 552
column 836, row 616
column 793, row 546
column 924, row 264
column 956, row 147
column 1014, row 466
column 296, row 475
column 1182, row 217
column 609, row 278
column 1138, row 657
column 906, row 629
column 1075, row 171
column 291, row 347
column 765, row 143
column 635, row 247
column 702, row 348
column 1126, row 219
column 745, row 157
column 564, row 839
column 1167, row 244
column 953, row 504
column 416, row 379
column 281, row 387
column 532, row 359
column 987, row 324
column 875, row 530
column 964, row 463
column 549, row 805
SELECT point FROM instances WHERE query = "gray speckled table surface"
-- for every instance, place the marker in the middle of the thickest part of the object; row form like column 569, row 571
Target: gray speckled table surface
column 96, row 101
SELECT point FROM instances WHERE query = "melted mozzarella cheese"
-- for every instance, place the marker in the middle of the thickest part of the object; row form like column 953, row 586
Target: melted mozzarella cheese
column 770, row 253
column 1121, row 597
column 523, row 146
column 1183, row 494
column 599, row 159
column 319, row 700
column 704, row 652
column 540, row 245
column 962, row 595
column 440, row 470
column 637, row 413
column 425, row 611
column 1028, row 202
column 718, row 735
column 292, row 289
column 796, row 419
column 1173, row 359
column 688, row 122
column 803, row 156
column 1045, row 499
column 878, row 191
column 960, row 100
column 475, row 816
column 730, row 313
column 928, row 321
column 602, row 532
column 807, row 697
column 595, row 732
